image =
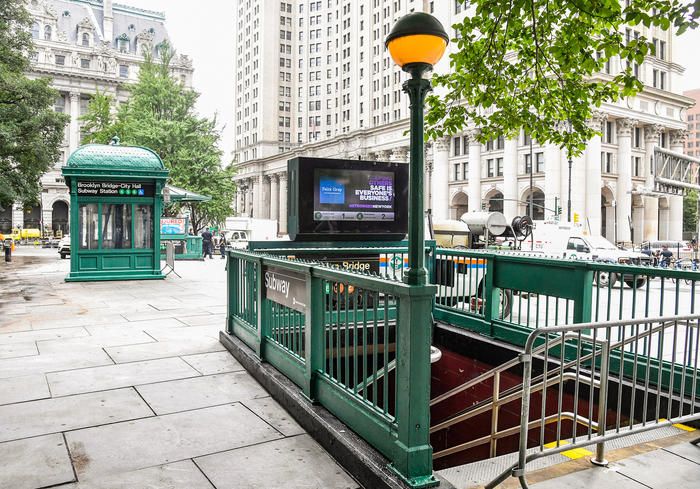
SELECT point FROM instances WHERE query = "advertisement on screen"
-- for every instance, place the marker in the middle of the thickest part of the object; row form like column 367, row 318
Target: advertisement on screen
column 347, row 200
column 358, row 196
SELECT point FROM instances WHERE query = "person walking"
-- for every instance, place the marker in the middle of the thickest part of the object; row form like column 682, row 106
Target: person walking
column 207, row 238
column 222, row 245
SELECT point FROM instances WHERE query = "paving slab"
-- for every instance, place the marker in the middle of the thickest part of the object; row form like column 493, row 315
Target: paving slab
column 178, row 475
column 24, row 388
column 99, row 340
column 661, row 470
column 597, row 478
column 53, row 362
column 14, row 350
column 213, row 363
column 155, row 441
column 164, row 323
column 35, row 462
column 119, row 375
column 44, row 334
column 199, row 392
column 218, row 319
column 163, row 349
column 686, row 450
column 297, row 462
column 46, row 416
column 270, row 410
column 202, row 331
column 154, row 314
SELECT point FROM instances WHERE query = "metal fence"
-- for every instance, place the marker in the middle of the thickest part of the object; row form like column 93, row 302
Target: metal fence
column 590, row 383
column 505, row 295
column 357, row 344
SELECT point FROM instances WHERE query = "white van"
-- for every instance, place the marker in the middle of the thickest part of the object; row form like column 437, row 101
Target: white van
column 568, row 240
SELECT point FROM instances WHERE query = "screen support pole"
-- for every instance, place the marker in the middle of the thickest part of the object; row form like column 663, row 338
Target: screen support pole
column 417, row 88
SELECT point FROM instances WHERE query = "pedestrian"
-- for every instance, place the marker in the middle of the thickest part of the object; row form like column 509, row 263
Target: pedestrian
column 222, row 245
column 207, row 238
column 666, row 256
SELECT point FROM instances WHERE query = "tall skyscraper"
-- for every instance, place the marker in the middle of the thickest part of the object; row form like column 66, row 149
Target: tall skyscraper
column 314, row 79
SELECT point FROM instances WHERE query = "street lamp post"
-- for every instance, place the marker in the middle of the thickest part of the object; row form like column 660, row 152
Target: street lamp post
column 416, row 43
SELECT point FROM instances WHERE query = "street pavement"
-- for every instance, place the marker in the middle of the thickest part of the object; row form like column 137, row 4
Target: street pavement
column 116, row 385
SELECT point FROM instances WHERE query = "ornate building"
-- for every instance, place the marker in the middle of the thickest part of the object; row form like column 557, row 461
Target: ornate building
column 325, row 86
column 85, row 46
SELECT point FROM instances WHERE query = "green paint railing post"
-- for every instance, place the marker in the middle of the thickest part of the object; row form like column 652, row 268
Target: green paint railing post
column 232, row 281
column 414, row 455
column 491, row 293
column 583, row 277
column 313, row 336
column 263, row 322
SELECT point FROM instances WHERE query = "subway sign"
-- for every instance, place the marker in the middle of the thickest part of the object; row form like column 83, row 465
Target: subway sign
column 115, row 189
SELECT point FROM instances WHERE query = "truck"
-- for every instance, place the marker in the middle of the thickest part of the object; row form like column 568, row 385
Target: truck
column 240, row 230
column 569, row 240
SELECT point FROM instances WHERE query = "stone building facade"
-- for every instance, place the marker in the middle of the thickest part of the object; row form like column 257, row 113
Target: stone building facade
column 85, row 46
column 322, row 84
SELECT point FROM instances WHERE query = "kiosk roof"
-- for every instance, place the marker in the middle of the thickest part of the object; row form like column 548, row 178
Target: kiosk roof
column 105, row 157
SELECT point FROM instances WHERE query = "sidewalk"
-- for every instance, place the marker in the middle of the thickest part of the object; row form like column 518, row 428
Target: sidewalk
column 125, row 385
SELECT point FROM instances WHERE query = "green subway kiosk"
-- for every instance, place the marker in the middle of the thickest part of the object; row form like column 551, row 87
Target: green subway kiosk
column 116, row 197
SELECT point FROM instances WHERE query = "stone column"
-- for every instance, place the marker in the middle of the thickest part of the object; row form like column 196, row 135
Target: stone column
column 439, row 188
column 552, row 178
column 474, row 189
column 283, row 203
column 594, row 181
column 73, row 127
column 250, row 197
column 274, row 197
column 265, row 197
column 384, row 155
column 510, row 179
column 624, row 178
column 675, row 231
column 400, row 154
column 256, row 197
column 650, row 230
column 17, row 215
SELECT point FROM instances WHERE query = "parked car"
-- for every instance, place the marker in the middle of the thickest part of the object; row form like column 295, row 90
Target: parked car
column 64, row 246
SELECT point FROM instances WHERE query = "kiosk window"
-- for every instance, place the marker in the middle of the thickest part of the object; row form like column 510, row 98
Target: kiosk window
column 88, row 226
column 116, row 226
column 143, row 226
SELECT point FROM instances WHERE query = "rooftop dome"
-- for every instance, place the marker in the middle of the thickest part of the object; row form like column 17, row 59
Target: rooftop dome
column 103, row 156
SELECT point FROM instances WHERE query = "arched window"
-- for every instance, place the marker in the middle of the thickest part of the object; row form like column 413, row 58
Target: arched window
column 35, row 30
column 47, row 33
column 86, row 39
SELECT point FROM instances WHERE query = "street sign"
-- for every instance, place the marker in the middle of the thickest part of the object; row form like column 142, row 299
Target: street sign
column 114, row 189
column 285, row 287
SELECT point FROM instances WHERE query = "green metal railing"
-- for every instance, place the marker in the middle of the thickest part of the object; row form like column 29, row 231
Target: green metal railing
column 506, row 295
column 357, row 344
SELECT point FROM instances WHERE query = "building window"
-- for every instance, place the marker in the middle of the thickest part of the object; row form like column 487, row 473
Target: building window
column 86, row 39
column 47, row 33
column 456, row 145
column 489, row 168
column 636, row 166
column 60, row 60
column 123, row 45
column 456, row 172
column 35, row 30
column 84, row 63
column 124, row 71
column 499, row 167
column 606, row 162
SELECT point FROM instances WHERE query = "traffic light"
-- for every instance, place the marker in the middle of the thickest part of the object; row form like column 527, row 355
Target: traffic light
column 576, row 218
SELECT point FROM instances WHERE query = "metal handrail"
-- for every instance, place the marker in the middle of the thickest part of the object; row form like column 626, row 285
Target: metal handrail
column 691, row 351
column 552, row 418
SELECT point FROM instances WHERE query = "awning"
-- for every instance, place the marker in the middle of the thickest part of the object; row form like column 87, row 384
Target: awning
column 177, row 194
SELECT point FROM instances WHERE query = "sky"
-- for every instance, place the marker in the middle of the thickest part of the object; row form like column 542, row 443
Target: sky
column 204, row 31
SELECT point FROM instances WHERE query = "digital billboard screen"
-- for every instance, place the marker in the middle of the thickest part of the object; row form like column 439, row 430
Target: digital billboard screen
column 332, row 199
column 340, row 195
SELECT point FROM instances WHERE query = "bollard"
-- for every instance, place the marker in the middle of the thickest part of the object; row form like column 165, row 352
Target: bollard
column 8, row 251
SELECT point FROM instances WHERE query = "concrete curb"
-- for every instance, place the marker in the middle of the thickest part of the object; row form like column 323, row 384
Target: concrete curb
column 360, row 460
